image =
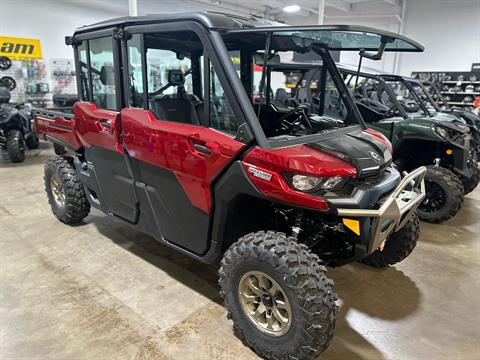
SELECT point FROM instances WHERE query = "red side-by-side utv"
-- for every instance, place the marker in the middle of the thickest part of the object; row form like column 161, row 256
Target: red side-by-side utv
column 177, row 133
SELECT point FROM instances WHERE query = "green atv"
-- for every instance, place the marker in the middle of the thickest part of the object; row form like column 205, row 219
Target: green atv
column 440, row 141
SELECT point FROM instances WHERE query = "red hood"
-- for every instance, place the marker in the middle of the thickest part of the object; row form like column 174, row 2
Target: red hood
column 300, row 159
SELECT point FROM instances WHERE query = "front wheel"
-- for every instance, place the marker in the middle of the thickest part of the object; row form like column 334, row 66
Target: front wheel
column 444, row 195
column 278, row 296
column 65, row 192
column 16, row 146
column 397, row 246
column 470, row 183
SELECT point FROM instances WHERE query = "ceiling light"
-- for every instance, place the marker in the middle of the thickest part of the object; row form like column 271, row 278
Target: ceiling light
column 291, row 8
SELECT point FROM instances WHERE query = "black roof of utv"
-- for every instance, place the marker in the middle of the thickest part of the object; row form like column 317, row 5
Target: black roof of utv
column 237, row 25
column 211, row 20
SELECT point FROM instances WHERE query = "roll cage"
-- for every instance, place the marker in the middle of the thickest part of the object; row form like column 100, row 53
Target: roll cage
column 383, row 79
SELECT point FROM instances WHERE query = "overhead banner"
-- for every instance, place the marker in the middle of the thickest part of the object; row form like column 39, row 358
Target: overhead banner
column 20, row 48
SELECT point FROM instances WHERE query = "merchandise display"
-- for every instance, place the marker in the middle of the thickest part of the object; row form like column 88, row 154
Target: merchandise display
column 455, row 85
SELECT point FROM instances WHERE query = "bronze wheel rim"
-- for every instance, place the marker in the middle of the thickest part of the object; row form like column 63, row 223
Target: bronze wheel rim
column 57, row 191
column 264, row 303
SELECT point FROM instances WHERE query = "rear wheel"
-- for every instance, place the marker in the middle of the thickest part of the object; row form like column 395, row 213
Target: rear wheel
column 16, row 146
column 398, row 245
column 59, row 149
column 32, row 142
column 444, row 195
column 65, row 192
column 278, row 296
column 470, row 183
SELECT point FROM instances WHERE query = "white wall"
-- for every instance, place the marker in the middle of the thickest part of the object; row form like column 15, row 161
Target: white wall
column 450, row 32
column 449, row 29
column 47, row 20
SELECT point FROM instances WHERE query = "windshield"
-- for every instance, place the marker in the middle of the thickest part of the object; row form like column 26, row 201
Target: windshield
column 349, row 40
column 300, row 94
column 337, row 37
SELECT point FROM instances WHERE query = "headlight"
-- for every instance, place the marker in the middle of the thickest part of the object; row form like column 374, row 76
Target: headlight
column 442, row 132
column 309, row 183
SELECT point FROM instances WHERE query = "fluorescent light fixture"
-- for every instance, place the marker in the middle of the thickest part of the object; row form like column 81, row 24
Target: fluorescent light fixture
column 291, row 8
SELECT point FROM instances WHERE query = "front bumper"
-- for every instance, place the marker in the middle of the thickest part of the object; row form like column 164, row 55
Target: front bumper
column 393, row 213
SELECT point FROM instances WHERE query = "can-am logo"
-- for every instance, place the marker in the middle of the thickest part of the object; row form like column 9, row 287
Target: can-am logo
column 260, row 174
column 20, row 48
column 375, row 157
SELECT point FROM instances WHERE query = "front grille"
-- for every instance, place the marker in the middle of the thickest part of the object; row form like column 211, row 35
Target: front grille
column 373, row 179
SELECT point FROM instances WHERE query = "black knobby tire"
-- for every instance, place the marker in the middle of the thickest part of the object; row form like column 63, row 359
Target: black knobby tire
column 16, row 146
column 452, row 189
column 470, row 183
column 32, row 142
column 76, row 206
column 398, row 246
column 59, row 149
column 304, row 282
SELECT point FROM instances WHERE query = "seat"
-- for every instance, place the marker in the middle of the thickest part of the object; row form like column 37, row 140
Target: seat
column 281, row 96
column 179, row 108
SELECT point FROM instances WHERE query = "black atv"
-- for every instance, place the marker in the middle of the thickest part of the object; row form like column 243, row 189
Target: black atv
column 16, row 128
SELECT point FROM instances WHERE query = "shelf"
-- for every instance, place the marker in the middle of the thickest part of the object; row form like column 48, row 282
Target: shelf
column 459, row 103
column 460, row 93
column 461, row 82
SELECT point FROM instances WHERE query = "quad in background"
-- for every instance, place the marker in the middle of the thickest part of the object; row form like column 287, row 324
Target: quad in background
column 15, row 127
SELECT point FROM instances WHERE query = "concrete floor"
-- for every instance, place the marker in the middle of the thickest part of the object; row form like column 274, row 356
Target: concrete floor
column 101, row 290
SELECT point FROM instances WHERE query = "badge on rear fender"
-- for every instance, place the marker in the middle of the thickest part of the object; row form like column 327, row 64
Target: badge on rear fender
column 259, row 173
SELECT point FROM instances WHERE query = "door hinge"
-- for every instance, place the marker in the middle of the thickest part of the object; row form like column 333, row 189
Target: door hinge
column 120, row 34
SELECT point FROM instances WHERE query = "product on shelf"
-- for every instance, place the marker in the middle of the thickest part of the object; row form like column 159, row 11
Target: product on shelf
column 5, row 63
column 8, row 82
column 456, row 89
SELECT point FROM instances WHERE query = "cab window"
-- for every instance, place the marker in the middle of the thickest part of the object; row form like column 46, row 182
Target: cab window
column 97, row 72
column 103, row 73
column 175, row 83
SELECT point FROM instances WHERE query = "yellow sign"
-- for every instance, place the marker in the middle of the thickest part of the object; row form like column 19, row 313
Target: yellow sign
column 20, row 48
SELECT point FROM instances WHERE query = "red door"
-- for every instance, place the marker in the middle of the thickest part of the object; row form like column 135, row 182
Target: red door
column 98, row 131
column 176, row 163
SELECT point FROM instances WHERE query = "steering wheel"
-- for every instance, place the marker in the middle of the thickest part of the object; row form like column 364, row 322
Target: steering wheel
column 299, row 120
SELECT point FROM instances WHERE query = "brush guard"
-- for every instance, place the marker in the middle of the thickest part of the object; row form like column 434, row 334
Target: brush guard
column 395, row 209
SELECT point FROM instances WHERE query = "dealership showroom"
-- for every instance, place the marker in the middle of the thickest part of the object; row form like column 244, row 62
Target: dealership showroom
column 256, row 179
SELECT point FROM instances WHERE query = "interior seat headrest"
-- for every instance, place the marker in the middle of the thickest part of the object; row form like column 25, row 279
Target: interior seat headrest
column 175, row 77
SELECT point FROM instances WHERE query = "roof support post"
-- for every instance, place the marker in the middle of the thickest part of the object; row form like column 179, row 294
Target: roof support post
column 132, row 8
column 397, row 62
column 321, row 11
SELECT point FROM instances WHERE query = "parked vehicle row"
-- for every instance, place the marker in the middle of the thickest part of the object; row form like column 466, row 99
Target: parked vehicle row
column 173, row 138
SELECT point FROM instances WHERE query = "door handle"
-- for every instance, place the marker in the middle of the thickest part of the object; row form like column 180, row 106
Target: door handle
column 202, row 148
column 106, row 124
